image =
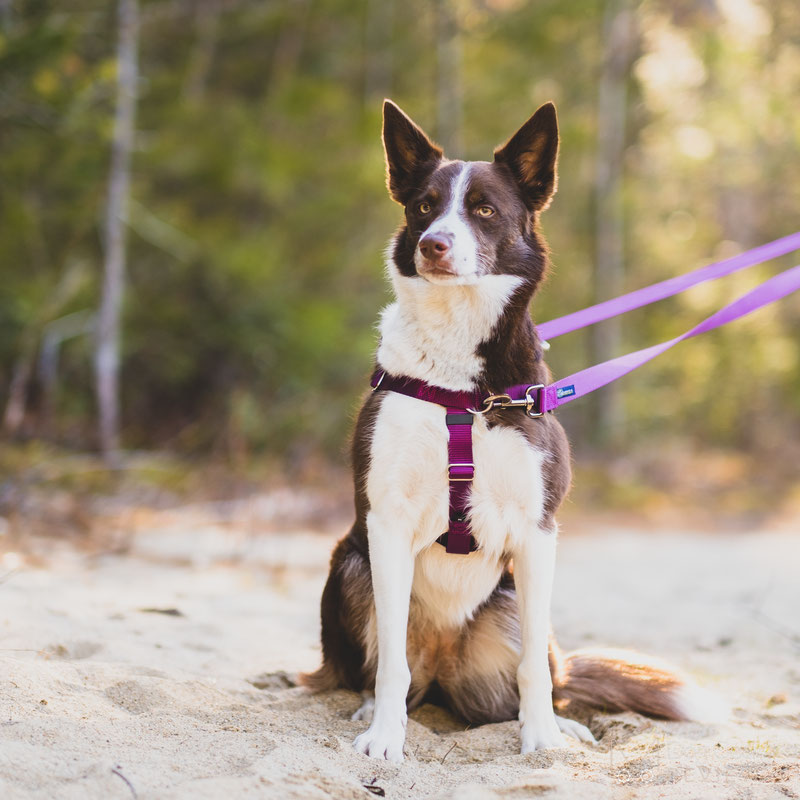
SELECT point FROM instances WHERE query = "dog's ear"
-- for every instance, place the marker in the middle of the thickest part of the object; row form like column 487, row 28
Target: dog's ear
column 531, row 155
column 410, row 154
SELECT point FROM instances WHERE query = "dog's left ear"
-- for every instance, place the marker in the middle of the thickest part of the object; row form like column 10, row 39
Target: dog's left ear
column 531, row 155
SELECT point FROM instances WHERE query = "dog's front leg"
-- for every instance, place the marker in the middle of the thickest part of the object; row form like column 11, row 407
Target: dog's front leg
column 534, row 564
column 392, row 565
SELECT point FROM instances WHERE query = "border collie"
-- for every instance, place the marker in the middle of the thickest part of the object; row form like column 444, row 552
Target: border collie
column 403, row 620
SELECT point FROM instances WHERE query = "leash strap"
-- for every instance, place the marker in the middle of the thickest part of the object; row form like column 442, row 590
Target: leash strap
column 538, row 400
column 587, row 380
column 667, row 288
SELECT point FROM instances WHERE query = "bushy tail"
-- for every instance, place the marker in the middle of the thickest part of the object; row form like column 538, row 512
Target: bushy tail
column 618, row 680
column 321, row 680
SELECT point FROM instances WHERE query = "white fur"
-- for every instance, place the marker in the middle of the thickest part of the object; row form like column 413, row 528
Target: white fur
column 575, row 729
column 463, row 255
column 534, row 565
column 392, row 565
column 449, row 587
column 701, row 705
column 432, row 331
column 366, row 709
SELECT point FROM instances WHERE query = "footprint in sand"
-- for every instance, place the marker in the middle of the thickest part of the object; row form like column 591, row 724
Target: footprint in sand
column 135, row 698
column 73, row 651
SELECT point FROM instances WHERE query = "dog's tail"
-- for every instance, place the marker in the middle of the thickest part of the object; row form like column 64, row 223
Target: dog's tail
column 321, row 680
column 619, row 680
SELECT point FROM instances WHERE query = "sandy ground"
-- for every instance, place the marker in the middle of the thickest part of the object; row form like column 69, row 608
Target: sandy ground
column 103, row 698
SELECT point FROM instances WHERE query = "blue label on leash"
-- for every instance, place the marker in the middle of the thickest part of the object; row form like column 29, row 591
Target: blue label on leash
column 565, row 391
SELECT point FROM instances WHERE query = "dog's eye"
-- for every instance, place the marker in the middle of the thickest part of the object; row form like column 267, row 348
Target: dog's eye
column 484, row 211
column 424, row 208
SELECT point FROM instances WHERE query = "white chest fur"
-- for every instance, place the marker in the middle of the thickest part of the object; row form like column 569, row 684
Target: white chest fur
column 432, row 332
column 407, row 483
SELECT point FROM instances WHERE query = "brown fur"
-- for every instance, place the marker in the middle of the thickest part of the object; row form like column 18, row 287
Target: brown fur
column 619, row 684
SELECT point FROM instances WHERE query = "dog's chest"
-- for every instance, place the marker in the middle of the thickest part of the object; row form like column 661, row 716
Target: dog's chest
column 407, row 481
column 408, row 493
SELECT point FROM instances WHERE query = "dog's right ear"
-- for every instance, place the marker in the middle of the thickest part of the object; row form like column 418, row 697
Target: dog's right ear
column 410, row 154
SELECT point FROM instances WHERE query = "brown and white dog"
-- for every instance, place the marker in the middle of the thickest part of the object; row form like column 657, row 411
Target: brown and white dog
column 402, row 620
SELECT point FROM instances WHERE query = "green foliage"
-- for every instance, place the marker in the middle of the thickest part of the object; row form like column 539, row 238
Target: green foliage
column 259, row 215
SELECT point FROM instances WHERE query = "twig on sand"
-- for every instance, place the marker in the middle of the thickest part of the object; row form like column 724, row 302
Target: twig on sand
column 373, row 789
column 776, row 627
column 169, row 612
column 116, row 771
column 7, row 575
column 452, row 747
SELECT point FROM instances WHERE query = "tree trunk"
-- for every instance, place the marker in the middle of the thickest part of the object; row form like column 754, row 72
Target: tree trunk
column 607, row 411
column 202, row 53
column 16, row 406
column 107, row 347
column 54, row 335
column 14, row 414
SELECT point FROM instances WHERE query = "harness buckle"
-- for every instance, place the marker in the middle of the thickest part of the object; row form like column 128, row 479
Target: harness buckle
column 534, row 403
column 460, row 476
column 380, row 381
column 493, row 401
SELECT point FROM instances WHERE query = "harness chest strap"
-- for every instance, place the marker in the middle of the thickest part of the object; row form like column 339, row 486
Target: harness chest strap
column 460, row 473
column 461, row 409
column 461, row 468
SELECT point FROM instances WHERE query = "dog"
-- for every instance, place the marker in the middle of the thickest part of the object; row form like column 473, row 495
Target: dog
column 404, row 620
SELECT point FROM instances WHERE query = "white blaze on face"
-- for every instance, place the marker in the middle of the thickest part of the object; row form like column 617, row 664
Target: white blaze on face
column 463, row 256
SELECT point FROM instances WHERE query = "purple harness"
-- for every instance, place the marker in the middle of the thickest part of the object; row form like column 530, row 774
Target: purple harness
column 537, row 400
column 461, row 409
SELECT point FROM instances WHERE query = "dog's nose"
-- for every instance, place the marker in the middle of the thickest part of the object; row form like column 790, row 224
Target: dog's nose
column 434, row 246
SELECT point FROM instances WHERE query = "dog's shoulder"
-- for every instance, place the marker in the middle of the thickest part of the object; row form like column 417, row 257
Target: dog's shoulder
column 546, row 435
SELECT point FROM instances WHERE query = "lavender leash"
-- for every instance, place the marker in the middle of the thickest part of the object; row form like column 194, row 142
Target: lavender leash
column 667, row 288
column 538, row 399
column 587, row 380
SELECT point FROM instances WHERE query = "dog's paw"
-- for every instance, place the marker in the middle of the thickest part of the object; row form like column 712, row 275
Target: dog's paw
column 366, row 710
column 383, row 740
column 541, row 735
column 575, row 730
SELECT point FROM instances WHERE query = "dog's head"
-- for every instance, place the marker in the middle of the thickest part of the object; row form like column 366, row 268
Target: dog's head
column 467, row 219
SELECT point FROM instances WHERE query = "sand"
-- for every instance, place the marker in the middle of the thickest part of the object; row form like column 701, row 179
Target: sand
column 165, row 670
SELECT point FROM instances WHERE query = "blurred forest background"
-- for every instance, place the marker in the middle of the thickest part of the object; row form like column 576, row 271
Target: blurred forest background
column 255, row 218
